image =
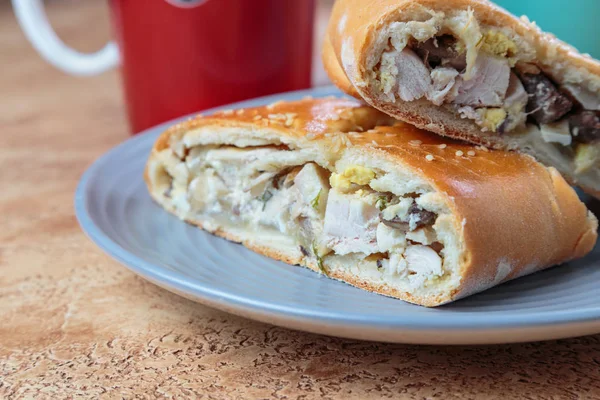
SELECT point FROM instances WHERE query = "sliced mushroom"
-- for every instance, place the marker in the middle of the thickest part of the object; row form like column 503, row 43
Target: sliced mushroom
column 418, row 217
column 546, row 103
column 437, row 50
column 411, row 218
column 585, row 126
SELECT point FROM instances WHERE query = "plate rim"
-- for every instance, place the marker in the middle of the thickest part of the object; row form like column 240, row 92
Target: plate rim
column 436, row 318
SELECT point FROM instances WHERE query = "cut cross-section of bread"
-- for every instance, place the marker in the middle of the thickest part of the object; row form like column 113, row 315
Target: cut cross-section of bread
column 332, row 185
column 468, row 69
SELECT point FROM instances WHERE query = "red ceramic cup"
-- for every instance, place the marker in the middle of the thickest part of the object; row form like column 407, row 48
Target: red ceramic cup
column 179, row 57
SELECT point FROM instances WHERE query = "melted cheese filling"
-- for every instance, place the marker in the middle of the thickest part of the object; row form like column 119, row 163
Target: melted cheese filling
column 326, row 214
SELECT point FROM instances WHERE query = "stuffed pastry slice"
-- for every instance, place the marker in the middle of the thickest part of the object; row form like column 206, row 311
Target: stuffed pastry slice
column 395, row 210
column 468, row 69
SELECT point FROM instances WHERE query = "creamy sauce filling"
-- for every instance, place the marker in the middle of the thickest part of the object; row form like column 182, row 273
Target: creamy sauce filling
column 325, row 213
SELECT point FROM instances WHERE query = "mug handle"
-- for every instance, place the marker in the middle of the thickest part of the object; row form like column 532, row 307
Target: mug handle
column 32, row 18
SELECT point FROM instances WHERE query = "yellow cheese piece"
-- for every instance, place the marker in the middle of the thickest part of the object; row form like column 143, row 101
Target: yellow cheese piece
column 359, row 175
column 497, row 43
column 353, row 174
column 492, row 118
column 586, row 156
column 340, row 182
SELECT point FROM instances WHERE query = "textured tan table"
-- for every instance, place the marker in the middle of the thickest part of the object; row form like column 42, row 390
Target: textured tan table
column 74, row 323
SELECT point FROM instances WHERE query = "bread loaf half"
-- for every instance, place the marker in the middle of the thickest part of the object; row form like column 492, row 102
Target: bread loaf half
column 468, row 69
column 350, row 193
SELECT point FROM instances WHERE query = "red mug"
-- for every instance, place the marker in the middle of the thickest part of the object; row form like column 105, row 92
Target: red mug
column 182, row 56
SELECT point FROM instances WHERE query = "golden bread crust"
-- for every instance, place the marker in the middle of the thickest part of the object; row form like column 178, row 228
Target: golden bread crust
column 335, row 71
column 289, row 119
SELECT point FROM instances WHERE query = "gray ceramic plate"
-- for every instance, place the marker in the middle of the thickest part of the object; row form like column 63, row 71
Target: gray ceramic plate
column 114, row 209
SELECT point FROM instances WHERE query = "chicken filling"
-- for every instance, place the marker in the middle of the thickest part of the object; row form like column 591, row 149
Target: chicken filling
column 497, row 91
column 325, row 213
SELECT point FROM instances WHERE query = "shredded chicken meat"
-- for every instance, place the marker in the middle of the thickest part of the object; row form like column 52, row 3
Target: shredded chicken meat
column 499, row 94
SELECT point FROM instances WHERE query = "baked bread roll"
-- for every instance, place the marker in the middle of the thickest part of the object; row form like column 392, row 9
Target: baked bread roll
column 331, row 185
column 468, row 69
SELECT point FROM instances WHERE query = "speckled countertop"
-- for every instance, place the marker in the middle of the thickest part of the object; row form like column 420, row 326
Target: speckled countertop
column 75, row 324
